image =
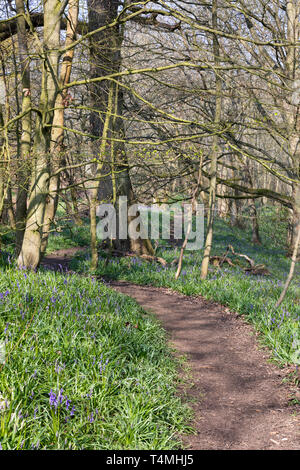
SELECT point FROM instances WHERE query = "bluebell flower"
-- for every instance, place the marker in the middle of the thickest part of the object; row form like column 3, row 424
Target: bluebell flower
column 53, row 399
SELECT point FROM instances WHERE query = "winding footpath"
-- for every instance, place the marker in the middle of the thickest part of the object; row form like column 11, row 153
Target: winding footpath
column 238, row 396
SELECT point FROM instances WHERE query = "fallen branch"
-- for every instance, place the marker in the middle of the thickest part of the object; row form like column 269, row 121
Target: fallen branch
column 220, row 260
column 250, row 261
column 255, row 269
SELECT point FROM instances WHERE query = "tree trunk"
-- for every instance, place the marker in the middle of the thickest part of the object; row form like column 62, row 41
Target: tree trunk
column 102, row 50
column 75, row 213
column 5, row 177
column 93, row 200
column 122, row 181
column 25, row 144
column 57, row 134
column 295, row 221
column 292, row 268
column 30, row 254
column 214, row 152
column 2, row 176
column 254, row 221
column 10, row 208
column 105, row 56
column 292, row 113
column 190, row 218
column 252, row 209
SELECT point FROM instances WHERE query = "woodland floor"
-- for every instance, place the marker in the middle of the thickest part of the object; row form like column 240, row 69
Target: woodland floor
column 238, row 396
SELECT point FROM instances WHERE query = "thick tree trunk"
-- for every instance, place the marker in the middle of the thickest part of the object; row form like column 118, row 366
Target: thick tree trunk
column 105, row 57
column 57, row 133
column 102, row 50
column 30, row 254
column 122, row 182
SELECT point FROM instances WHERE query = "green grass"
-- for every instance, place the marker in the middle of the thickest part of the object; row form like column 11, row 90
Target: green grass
column 78, row 374
column 70, row 235
column 252, row 296
column 72, row 339
column 66, row 233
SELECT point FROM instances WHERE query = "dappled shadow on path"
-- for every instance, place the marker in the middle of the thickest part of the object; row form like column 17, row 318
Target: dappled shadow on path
column 239, row 399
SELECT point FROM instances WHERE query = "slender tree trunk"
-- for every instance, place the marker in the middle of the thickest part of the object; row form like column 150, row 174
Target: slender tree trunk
column 2, row 176
column 292, row 268
column 6, row 204
column 235, row 204
column 10, row 208
column 223, row 206
column 254, row 221
column 75, row 213
column 1, row 194
column 214, row 151
column 295, row 221
column 292, row 111
column 253, row 212
column 190, row 222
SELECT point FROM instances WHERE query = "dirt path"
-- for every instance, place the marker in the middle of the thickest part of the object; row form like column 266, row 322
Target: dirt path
column 239, row 399
column 59, row 260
